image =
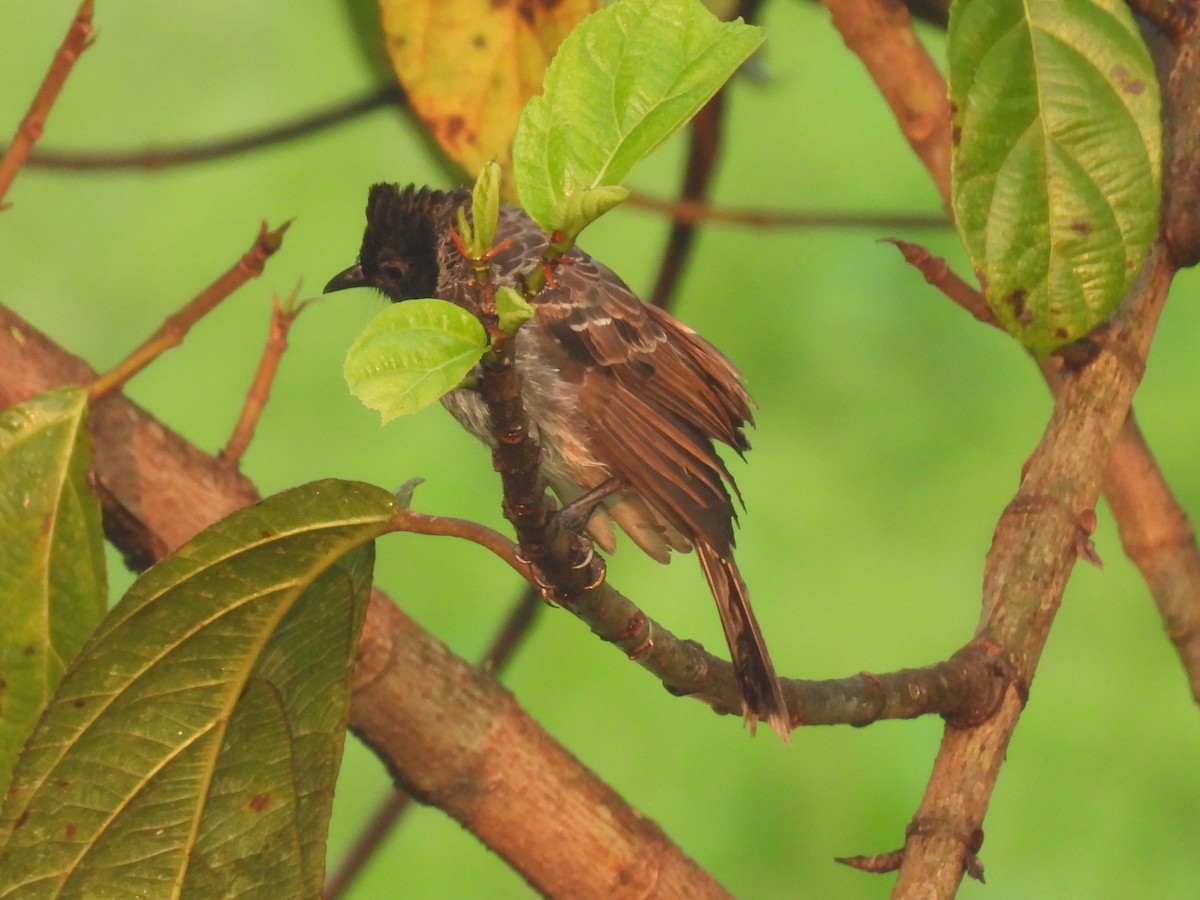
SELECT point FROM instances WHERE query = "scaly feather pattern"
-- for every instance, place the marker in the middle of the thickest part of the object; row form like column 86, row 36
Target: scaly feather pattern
column 613, row 388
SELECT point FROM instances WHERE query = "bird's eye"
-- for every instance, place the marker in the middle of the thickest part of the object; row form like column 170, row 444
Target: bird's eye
column 395, row 268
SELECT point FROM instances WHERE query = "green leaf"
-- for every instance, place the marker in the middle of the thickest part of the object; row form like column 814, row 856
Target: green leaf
column 191, row 750
column 512, row 309
column 53, row 587
column 621, row 83
column 411, row 354
column 575, row 212
column 1058, row 160
column 485, row 209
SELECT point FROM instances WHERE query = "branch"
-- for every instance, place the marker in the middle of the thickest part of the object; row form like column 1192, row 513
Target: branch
column 176, row 326
column 1171, row 18
column 1092, row 431
column 880, row 34
column 207, row 151
column 459, row 741
column 1178, row 66
column 34, row 123
column 1033, row 552
column 695, row 212
column 1155, row 531
column 704, row 148
column 489, row 764
column 967, row 687
column 390, row 812
column 445, row 526
column 938, row 273
column 1160, row 540
column 283, row 314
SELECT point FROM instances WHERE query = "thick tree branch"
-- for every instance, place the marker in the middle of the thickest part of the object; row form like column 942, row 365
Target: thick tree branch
column 1033, row 552
column 1047, row 523
column 459, row 741
column 488, row 763
column 1178, row 66
column 1155, row 531
column 1169, row 16
column 390, row 812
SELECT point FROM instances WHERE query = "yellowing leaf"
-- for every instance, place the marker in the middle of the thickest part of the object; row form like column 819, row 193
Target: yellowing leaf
column 468, row 66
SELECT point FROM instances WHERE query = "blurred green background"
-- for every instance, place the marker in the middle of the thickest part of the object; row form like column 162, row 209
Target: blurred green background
column 891, row 432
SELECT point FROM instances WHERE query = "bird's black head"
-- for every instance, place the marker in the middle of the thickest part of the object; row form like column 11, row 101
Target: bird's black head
column 399, row 255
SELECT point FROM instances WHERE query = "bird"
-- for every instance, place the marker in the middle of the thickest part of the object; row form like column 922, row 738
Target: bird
column 616, row 391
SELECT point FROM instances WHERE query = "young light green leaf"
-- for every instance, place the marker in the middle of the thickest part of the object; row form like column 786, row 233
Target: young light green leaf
column 621, row 83
column 411, row 354
column 485, row 209
column 1057, row 161
column 512, row 309
column 53, row 588
column 575, row 212
column 191, row 749
column 464, row 228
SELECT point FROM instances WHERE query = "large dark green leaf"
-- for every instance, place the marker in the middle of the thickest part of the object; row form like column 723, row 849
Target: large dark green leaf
column 52, row 580
column 192, row 748
column 1057, row 163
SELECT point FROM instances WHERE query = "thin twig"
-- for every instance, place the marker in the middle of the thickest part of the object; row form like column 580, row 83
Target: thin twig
column 283, row 314
column 938, row 273
column 1160, row 540
column 207, row 151
column 176, row 326
column 448, row 526
column 690, row 212
column 875, row 863
column 30, row 130
column 704, row 148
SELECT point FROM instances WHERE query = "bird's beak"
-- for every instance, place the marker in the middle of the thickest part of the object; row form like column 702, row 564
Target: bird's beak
column 350, row 278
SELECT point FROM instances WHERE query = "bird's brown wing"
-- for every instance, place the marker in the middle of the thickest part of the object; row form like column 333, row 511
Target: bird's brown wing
column 653, row 406
column 653, row 395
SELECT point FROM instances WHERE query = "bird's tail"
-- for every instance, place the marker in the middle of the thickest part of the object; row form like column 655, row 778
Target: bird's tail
column 762, row 695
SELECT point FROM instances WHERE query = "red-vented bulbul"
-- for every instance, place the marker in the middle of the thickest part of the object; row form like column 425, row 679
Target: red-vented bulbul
column 613, row 389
